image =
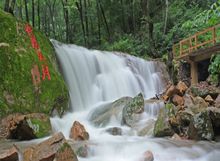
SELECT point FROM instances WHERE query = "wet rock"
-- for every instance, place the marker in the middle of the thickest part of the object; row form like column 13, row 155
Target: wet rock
column 15, row 126
column 188, row 100
column 200, row 105
column 209, row 99
column 178, row 100
column 114, row 131
column 203, row 89
column 9, row 155
column 148, row 156
column 200, row 127
column 162, row 126
column 147, row 129
column 65, row 153
column 25, row 127
column 102, row 115
column 54, row 148
column 176, row 137
column 184, row 117
column 171, row 91
column 78, row 132
column 40, row 123
column 181, row 87
column 82, row 151
column 214, row 114
column 132, row 109
column 217, row 101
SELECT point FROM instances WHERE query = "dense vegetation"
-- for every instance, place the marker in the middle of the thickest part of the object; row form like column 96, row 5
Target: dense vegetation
column 140, row 27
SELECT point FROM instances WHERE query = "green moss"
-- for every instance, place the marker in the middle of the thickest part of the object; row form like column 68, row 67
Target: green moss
column 17, row 60
column 64, row 147
column 41, row 127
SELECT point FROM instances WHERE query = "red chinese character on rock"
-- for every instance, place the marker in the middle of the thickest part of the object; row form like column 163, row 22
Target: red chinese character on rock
column 28, row 29
column 45, row 72
column 40, row 55
column 34, row 42
column 35, row 75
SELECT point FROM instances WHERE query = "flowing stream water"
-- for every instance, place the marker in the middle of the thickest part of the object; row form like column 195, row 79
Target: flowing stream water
column 95, row 78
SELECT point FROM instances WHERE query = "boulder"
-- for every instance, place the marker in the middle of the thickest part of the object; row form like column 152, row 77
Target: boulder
column 18, row 58
column 78, row 132
column 217, row 101
column 82, row 151
column 214, row 114
column 114, row 131
column 209, row 99
column 101, row 116
column 203, row 89
column 9, row 155
column 54, row 148
column 15, row 126
column 188, row 100
column 199, row 105
column 184, row 117
column 171, row 91
column 178, row 100
column 162, row 126
column 132, row 109
column 181, row 87
column 65, row 153
column 200, row 127
column 147, row 128
column 25, row 127
column 176, row 137
column 148, row 156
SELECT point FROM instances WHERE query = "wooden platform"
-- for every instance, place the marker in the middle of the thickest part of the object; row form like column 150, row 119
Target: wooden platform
column 201, row 54
column 198, row 47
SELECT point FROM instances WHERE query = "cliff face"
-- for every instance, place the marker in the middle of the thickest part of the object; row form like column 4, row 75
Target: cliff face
column 29, row 77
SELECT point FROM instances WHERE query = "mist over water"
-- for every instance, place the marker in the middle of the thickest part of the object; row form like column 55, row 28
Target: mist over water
column 96, row 78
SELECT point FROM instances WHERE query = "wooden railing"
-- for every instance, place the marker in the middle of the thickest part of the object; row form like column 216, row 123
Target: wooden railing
column 203, row 39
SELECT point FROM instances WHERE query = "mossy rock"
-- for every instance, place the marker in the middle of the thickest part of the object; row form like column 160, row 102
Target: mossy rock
column 17, row 91
column 135, row 106
column 200, row 127
column 40, row 123
column 162, row 126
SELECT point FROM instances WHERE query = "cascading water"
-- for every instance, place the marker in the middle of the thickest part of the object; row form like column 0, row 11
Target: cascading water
column 96, row 78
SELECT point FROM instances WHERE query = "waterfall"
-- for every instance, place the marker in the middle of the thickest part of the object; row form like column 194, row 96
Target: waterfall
column 96, row 76
column 96, row 79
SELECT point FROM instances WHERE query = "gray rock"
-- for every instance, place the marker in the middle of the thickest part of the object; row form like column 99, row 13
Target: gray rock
column 200, row 127
column 130, row 111
column 114, row 131
column 162, row 126
column 101, row 116
column 214, row 114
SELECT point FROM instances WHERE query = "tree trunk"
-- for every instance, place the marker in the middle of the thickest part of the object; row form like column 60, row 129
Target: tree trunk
column 79, row 7
column 66, row 18
column 33, row 13
column 166, row 17
column 123, row 17
column 20, row 10
column 86, row 23
column 106, row 23
column 6, row 7
column 38, row 13
column 12, row 6
column 52, row 10
column 99, row 26
column 26, row 11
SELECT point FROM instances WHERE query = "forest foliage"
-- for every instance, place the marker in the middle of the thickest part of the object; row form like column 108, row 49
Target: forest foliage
column 144, row 28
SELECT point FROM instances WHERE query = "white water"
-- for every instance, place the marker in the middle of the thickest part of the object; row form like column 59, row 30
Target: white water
column 95, row 78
